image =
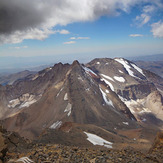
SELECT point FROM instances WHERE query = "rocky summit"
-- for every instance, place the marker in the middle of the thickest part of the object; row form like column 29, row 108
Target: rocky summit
column 108, row 110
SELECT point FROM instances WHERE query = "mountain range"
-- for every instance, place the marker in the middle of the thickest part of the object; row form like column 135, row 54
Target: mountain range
column 106, row 102
column 153, row 66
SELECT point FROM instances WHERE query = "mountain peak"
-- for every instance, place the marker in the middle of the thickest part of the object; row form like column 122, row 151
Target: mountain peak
column 76, row 62
column 76, row 66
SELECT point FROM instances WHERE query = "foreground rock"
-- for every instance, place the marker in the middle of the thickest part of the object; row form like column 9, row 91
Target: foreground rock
column 59, row 153
column 11, row 142
column 157, row 148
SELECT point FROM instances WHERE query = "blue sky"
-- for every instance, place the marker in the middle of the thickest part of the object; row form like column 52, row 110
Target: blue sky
column 69, row 30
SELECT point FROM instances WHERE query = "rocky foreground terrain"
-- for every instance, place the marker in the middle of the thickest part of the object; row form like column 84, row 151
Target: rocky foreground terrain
column 13, row 149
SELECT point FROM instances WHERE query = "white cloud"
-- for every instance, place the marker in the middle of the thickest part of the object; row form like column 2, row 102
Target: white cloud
column 64, row 32
column 38, row 34
column 79, row 38
column 83, row 38
column 142, row 19
column 19, row 36
column 136, row 35
column 149, row 9
column 36, row 19
column 147, row 13
column 72, row 38
column 157, row 29
column 70, row 42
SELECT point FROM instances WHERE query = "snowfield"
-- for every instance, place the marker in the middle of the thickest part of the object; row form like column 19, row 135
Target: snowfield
column 66, row 97
column 120, row 79
column 96, row 140
column 13, row 103
column 138, row 69
column 125, row 123
column 120, row 71
column 68, row 109
column 27, row 104
column 107, row 77
column 108, row 83
column 107, row 91
column 59, row 92
column 126, row 66
column 23, row 101
column 87, row 70
column 108, row 102
column 56, row 125
column 24, row 160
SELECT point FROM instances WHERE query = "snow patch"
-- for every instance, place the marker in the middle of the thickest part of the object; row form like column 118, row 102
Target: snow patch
column 59, row 92
column 88, row 71
column 68, row 109
column 107, row 91
column 97, row 63
column 96, row 140
column 108, row 83
column 13, row 103
column 108, row 102
column 120, row 71
column 66, row 97
column 87, row 89
column 23, row 101
column 24, row 160
column 120, row 79
column 126, row 66
column 27, row 103
column 122, row 99
column 56, row 125
column 107, row 77
column 126, row 123
column 138, row 69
